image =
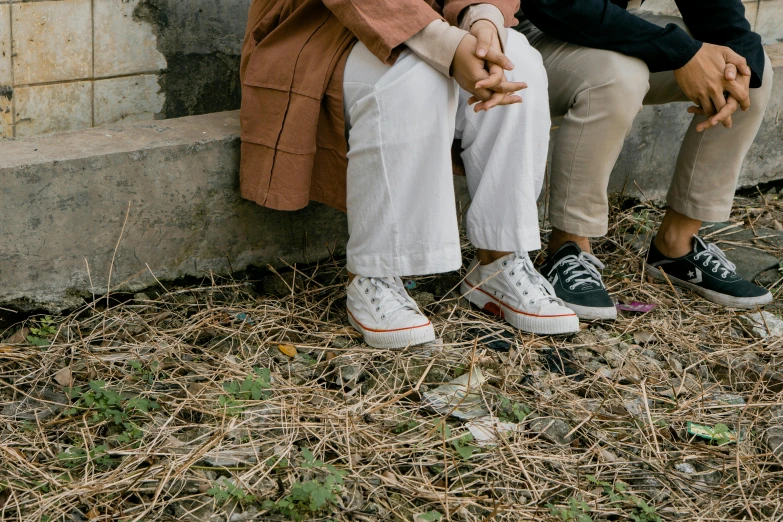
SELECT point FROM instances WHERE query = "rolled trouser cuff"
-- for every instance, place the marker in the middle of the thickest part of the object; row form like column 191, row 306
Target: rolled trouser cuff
column 713, row 213
column 578, row 227
column 445, row 258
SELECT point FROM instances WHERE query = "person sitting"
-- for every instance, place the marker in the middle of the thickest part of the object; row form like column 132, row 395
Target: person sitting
column 605, row 61
column 356, row 104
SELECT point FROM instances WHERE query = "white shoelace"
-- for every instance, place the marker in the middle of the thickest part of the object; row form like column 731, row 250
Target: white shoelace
column 388, row 290
column 538, row 288
column 584, row 269
column 713, row 254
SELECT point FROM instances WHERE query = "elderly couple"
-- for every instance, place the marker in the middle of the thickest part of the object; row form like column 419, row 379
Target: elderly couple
column 356, row 104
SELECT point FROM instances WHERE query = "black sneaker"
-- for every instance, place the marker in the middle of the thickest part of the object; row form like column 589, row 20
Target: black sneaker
column 576, row 278
column 708, row 272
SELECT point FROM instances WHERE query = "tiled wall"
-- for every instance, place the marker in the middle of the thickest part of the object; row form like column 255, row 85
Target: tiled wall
column 70, row 64
column 765, row 16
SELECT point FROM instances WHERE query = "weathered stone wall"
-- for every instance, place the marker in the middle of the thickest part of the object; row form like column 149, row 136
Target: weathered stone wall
column 765, row 16
column 201, row 40
column 168, row 189
column 71, row 64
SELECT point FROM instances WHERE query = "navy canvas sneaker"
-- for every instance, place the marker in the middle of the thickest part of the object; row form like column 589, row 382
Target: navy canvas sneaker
column 707, row 271
column 576, row 278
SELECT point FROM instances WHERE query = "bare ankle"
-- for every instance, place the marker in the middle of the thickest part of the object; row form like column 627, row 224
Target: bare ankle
column 487, row 257
column 559, row 238
column 675, row 236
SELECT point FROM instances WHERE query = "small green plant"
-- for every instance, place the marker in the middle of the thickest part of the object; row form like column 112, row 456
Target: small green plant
column 720, row 434
column 108, row 405
column 461, row 369
column 256, row 386
column 312, row 496
column 409, row 423
column 642, row 224
column 618, row 494
column 461, row 445
column 77, row 457
column 41, row 335
column 148, row 375
column 430, row 516
column 223, row 490
column 277, row 463
column 512, row 411
column 577, row 511
column 464, row 447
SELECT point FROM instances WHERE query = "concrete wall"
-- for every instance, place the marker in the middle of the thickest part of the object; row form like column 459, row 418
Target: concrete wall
column 765, row 16
column 72, row 64
column 66, row 196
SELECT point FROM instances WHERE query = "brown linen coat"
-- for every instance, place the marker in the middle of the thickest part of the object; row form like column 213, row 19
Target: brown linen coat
column 293, row 58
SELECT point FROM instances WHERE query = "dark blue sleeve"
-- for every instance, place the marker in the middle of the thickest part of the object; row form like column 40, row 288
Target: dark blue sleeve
column 604, row 25
column 723, row 22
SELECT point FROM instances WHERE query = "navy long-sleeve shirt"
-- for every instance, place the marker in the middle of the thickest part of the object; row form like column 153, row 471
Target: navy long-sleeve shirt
column 605, row 24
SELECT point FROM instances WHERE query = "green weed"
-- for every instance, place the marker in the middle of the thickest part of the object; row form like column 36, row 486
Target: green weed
column 41, row 335
column 461, row 445
column 618, row 494
column 256, row 386
column 110, row 406
column 577, row 511
column 312, row 496
column 512, row 411
column 223, row 490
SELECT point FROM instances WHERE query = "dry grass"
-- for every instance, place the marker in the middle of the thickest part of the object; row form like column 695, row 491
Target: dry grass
column 627, row 406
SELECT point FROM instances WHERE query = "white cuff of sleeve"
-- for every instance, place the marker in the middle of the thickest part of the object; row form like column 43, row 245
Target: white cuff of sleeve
column 486, row 12
column 437, row 44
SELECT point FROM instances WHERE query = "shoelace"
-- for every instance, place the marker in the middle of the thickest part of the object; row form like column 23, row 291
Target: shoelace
column 583, row 269
column 538, row 286
column 388, row 290
column 715, row 255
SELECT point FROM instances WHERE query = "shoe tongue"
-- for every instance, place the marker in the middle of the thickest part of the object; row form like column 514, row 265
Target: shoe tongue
column 568, row 249
column 699, row 245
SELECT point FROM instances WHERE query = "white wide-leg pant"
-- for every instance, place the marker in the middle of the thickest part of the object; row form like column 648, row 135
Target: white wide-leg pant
column 401, row 121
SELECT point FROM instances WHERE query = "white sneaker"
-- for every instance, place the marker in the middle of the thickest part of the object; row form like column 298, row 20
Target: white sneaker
column 513, row 289
column 385, row 314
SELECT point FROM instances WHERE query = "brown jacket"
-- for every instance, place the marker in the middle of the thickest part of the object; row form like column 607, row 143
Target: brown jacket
column 293, row 131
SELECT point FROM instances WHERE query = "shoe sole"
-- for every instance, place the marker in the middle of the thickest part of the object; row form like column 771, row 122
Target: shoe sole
column 537, row 324
column 395, row 339
column 711, row 295
column 593, row 313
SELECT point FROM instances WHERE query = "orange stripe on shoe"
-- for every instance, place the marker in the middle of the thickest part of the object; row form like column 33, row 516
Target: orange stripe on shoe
column 511, row 307
column 384, row 331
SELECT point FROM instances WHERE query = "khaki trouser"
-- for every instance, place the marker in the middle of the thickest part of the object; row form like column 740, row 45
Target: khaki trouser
column 599, row 93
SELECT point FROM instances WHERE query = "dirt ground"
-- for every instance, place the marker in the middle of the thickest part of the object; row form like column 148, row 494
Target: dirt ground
column 253, row 400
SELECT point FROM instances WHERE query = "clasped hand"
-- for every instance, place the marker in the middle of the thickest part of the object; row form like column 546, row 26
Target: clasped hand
column 717, row 80
column 479, row 67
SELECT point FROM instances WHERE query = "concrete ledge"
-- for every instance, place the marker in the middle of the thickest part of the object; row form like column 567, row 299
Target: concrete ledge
column 65, row 198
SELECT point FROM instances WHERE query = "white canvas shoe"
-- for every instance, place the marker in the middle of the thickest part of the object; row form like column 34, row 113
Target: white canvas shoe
column 513, row 289
column 385, row 314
